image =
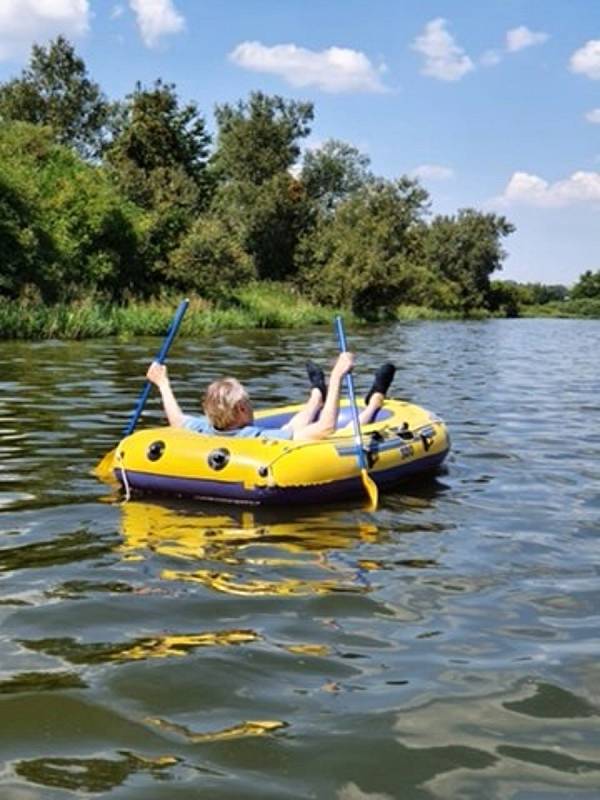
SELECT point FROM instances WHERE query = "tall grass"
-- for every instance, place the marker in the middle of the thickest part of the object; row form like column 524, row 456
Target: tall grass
column 256, row 306
column 584, row 307
column 409, row 313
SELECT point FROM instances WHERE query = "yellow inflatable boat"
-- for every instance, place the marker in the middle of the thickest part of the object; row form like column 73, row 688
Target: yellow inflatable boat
column 403, row 441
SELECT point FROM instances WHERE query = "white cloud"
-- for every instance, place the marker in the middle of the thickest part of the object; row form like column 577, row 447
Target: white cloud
column 444, row 59
column 336, row 69
column 117, row 12
column 156, row 18
column 521, row 37
column 432, row 172
column 23, row 22
column 526, row 189
column 586, row 60
column 593, row 116
column 490, row 58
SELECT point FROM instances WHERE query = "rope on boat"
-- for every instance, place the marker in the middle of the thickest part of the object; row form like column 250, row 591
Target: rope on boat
column 126, row 486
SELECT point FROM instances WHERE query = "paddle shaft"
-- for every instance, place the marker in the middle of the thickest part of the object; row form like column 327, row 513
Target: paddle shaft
column 360, row 453
column 161, row 357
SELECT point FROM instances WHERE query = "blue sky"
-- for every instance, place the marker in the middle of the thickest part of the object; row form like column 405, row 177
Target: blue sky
column 494, row 105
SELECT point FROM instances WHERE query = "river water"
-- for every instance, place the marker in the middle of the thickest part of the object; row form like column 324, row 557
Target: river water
column 445, row 646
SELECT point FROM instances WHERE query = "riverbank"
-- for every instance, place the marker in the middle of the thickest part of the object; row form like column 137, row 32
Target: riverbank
column 253, row 307
column 567, row 309
column 257, row 306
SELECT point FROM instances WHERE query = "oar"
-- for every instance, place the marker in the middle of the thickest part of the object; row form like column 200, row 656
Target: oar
column 105, row 465
column 368, row 482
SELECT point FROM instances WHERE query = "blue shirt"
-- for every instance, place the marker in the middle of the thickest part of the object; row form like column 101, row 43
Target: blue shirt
column 201, row 424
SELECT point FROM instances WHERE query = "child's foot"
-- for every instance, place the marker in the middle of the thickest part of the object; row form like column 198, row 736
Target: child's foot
column 316, row 376
column 383, row 378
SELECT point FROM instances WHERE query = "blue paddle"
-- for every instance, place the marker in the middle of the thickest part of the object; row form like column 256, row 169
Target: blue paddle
column 368, row 482
column 104, row 467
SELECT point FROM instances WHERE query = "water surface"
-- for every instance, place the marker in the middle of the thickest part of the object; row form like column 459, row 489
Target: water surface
column 445, row 646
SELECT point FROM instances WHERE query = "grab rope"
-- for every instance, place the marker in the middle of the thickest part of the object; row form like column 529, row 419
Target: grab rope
column 119, row 460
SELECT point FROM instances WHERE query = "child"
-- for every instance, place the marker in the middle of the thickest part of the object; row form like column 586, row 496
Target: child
column 228, row 409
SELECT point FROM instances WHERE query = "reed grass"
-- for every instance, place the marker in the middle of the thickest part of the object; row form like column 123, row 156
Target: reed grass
column 409, row 313
column 256, row 306
column 264, row 305
column 570, row 309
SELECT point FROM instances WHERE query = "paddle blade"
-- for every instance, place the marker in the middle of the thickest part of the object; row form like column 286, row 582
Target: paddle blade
column 104, row 468
column 371, row 489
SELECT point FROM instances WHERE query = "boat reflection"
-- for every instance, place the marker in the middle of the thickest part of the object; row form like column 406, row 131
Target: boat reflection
column 250, row 552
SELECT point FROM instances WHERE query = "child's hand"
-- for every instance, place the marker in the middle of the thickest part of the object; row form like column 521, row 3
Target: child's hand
column 344, row 364
column 157, row 374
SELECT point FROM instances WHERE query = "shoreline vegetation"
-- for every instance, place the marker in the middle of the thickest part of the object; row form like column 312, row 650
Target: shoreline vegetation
column 112, row 210
column 258, row 307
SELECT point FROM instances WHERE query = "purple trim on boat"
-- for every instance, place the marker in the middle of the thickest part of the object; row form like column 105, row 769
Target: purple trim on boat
column 235, row 492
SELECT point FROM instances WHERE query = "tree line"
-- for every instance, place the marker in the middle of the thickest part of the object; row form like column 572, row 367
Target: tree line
column 130, row 199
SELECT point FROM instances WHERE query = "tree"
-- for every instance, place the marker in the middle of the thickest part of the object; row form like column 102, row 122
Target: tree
column 269, row 219
column 508, row 297
column 541, row 293
column 466, row 249
column 258, row 138
column 63, row 226
column 257, row 145
column 24, row 245
column 588, row 286
column 210, row 260
column 363, row 257
column 160, row 148
column 158, row 159
column 333, row 172
column 55, row 90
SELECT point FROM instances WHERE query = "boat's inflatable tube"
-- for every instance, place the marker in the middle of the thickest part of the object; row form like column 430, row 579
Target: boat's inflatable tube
column 403, row 441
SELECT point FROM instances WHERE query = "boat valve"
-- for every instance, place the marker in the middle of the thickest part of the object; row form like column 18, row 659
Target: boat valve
column 155, row 451
column 219, row 458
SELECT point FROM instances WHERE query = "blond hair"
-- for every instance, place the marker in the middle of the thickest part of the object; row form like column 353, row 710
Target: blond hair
column 222, row 402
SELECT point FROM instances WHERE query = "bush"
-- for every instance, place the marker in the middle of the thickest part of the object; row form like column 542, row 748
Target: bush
column 210, row 260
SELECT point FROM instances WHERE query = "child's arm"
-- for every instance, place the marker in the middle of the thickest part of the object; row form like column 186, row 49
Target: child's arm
column 157, row 374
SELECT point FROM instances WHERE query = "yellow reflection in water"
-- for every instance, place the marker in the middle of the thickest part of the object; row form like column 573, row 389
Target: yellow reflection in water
column 259, row 554
column 309, row 649
column 226, row 582
column 248, row 728
column 181, row 644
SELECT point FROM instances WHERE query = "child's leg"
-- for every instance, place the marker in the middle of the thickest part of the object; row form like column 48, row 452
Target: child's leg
column 315, row 400
column 368, row 413
column 376, row 394
column 308, row 413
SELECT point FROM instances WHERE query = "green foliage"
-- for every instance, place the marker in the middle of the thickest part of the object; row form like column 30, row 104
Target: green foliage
column 210, row 260
column 279, row 305
column 269, row 219
column 507, row 298
column 258, row 138
column 160, row 214
column 55, row 90
column 587, row 287
column 541, row 293
column 255, row 306
column 585, row 307
column 158, row 160
column 24, row 245
column 333, row 172
column 160, row 149
column 466, row 249
column 77, row 235
column 257, row 196
column 360, row 258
